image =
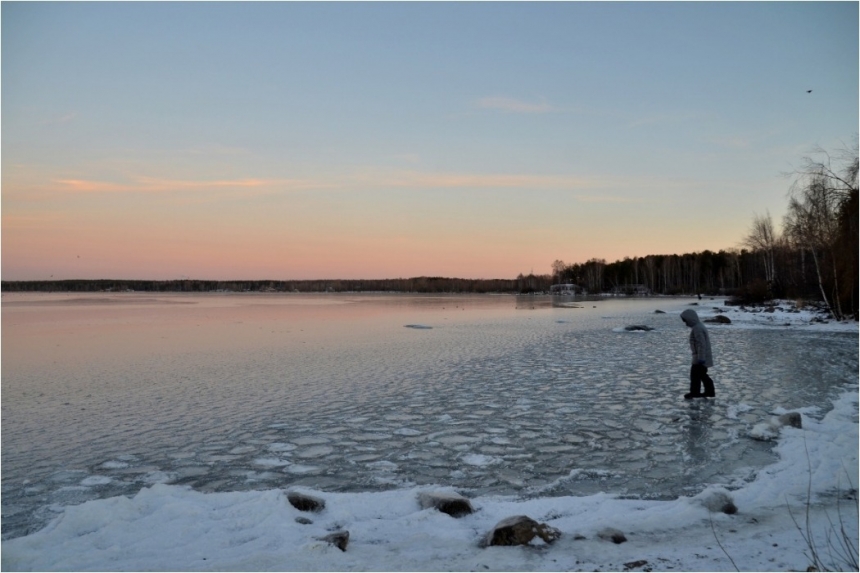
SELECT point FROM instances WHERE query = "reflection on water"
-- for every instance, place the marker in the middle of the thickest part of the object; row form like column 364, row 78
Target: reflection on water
column 105, row 394
column 540, row 302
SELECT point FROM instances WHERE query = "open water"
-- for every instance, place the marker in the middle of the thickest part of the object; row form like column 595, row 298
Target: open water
column 105, row 394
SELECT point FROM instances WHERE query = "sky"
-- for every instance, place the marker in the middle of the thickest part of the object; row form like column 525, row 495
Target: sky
column 382, row 140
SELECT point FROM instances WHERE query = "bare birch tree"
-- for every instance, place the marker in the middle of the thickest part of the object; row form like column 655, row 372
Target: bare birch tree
column 819, row 197
column 763, row 239
column 558, row 267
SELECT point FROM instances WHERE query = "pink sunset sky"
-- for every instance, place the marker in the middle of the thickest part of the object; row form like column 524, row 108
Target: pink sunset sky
column 297, row 141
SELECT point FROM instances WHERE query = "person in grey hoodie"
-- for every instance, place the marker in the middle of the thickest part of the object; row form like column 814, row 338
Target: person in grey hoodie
column 700, row 345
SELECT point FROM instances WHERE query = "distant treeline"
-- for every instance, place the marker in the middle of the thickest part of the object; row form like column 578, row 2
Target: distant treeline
column 813, row 256
column 735, row 272
column 410, row 285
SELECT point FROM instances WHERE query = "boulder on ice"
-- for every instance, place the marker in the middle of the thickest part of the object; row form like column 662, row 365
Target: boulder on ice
column 718, row 500
column 639, row 327
column 611, row 534
column 453, row 504
column 339, row 539
column 304, row 502
column 520, row 530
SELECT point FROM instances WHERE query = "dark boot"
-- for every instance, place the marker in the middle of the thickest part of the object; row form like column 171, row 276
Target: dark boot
column 709, row 385
column 695, row 384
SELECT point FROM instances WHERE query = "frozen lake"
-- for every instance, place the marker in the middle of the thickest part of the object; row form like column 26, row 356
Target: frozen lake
column 105, row 394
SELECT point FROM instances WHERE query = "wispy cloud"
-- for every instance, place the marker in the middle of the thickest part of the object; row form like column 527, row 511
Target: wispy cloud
column 157, row 184
column 588, row 189
column 30, row 220
column 160, row 185
column 86, row 186
column 512, row 105
column 363, row 179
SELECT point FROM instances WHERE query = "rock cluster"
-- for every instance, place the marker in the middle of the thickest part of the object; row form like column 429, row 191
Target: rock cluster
column 516, row 530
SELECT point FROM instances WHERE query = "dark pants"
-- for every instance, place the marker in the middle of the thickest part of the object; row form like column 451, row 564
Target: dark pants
column 699, row 376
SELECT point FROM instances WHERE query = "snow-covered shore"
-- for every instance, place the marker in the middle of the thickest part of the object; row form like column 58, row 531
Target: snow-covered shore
column 776, row 314
column 173, row 528
column 167, row 527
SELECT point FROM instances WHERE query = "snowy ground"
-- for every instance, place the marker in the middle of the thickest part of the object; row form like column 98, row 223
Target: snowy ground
column 170, row 527
column 778, row 314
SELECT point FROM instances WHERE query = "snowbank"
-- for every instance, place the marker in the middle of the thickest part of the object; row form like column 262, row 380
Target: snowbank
column 777, row 314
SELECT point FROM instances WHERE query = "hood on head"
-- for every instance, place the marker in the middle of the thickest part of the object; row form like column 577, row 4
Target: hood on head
column 689, row 317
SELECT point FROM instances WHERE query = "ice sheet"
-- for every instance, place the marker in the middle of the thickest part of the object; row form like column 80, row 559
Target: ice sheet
column 534, row 404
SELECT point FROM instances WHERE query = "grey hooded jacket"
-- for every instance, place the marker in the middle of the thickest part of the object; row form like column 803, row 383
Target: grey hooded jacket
column 700, row 343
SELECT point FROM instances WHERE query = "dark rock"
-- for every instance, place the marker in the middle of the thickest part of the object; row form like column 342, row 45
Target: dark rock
column 339, row 539
column 635, row 564
column 520, row 530
column 451, row 503
column 792, row 419
column 303, row 520
column 719, row 500
column 611, row 534
column 304, row 502
column 719, row 319
column 634, row 327
column 659, row 312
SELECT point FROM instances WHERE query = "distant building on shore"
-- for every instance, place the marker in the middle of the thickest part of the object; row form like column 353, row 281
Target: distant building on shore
column 567, row 289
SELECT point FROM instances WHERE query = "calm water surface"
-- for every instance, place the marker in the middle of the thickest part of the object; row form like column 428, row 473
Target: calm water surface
column 104, row 394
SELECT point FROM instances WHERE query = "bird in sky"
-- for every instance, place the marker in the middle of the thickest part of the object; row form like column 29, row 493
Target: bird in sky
column 809, row 91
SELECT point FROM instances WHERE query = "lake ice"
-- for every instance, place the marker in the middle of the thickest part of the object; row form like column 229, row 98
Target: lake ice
column 105, row 395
